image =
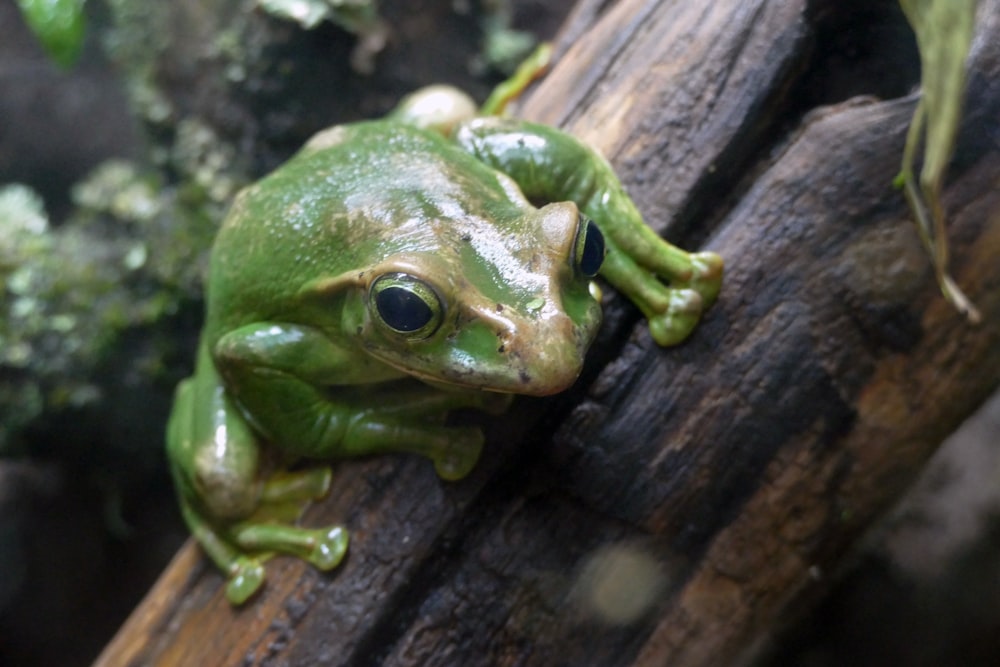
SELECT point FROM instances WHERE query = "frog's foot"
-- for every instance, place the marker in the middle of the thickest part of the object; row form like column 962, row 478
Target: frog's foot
column 322, row 547
column 672, row 319
column 671, row 287
column 245, row 573
column 246, row 576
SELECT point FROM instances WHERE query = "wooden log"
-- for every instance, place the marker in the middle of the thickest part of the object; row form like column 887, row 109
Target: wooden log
column 680, row 505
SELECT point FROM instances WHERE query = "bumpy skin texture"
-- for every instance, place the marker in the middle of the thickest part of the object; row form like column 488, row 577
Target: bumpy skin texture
column 384, row 276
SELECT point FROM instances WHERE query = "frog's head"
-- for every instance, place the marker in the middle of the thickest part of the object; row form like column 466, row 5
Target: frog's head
column 507, row 308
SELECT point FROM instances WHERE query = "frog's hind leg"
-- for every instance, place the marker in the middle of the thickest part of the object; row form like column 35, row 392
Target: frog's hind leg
column 234, row 514
column 244, row 573
column 214, row 481
column 240, row 549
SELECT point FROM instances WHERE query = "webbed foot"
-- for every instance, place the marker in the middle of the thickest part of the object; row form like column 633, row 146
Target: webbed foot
column 673, row 318
column 671, row 287
column 324, row 548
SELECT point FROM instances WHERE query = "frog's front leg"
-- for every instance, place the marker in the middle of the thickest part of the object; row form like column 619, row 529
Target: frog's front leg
column 315, row 399
column 670, row 286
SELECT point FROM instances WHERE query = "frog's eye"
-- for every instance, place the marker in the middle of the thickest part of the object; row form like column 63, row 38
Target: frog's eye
column 588, row 251
column 406, row 304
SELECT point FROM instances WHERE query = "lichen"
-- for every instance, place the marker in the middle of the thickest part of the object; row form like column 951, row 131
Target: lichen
column 129, row 256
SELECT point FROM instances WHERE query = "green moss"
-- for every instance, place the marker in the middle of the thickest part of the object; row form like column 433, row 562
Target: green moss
column 128, row 259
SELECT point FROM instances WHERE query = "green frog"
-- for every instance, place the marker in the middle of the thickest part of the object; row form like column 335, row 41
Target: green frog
column 391, row 272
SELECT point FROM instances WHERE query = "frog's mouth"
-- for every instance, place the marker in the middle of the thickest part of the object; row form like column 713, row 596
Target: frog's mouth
column 534, row 356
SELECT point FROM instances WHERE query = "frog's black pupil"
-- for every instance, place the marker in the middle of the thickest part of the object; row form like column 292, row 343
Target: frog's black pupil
column 402, row 309
column 592, row 255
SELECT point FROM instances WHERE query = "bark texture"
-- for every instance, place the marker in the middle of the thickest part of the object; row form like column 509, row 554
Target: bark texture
column 680, row 506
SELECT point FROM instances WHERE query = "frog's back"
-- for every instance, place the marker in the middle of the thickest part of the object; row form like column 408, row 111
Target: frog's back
column 353, row 194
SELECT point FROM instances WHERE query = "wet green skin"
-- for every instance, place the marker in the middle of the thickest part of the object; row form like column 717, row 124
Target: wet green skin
column 297, row 362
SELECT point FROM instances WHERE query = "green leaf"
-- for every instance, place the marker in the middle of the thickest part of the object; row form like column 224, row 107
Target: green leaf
column 944, row 32
column 59, row 25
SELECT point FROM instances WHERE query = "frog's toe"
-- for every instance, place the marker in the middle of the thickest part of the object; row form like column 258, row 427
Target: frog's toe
column 331, row 545
column 706, row 275
column 324, row 479
column 675, row 323
column 302, row 485
column 459, row 456
column 246, row 578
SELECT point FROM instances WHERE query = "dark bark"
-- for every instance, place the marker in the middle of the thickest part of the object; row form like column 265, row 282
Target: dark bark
column 728, row 476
